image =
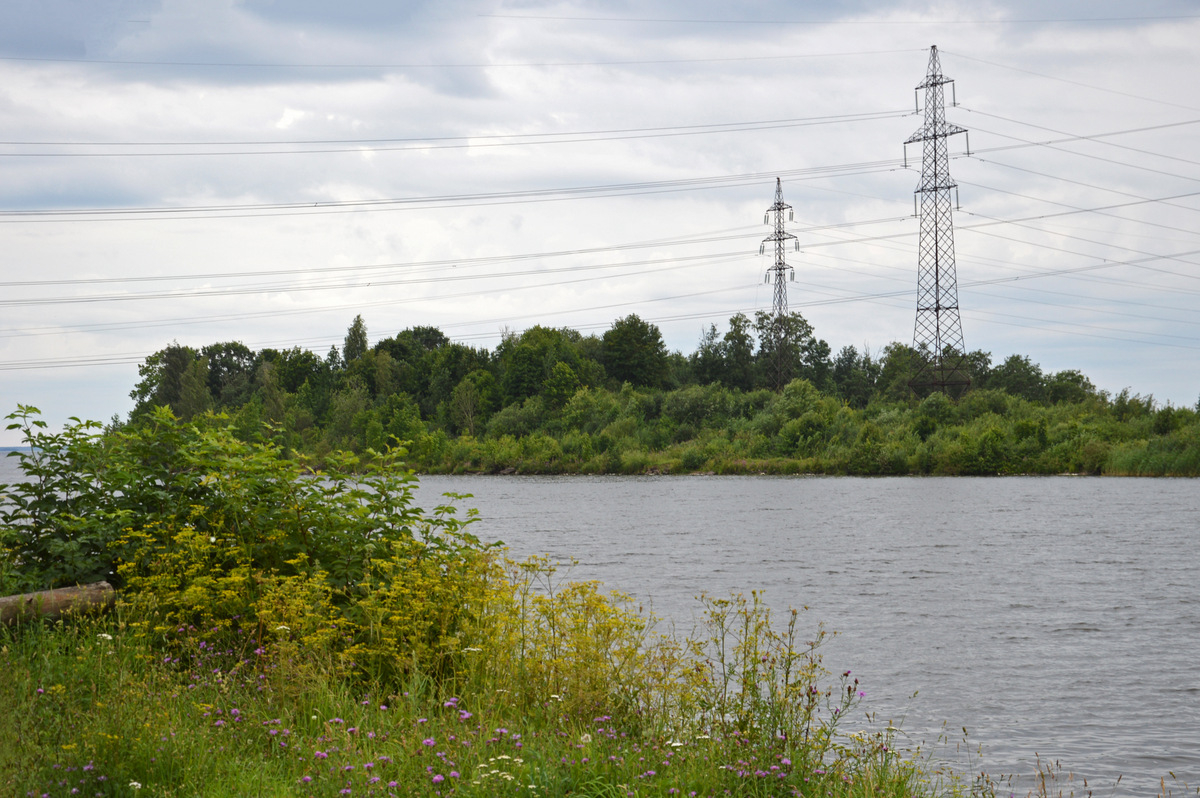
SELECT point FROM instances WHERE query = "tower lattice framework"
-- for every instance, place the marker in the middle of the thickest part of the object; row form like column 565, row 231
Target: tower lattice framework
column 780, row 272
column 937, row 336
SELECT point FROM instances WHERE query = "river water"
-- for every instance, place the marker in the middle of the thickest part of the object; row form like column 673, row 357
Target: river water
column 1051, row 616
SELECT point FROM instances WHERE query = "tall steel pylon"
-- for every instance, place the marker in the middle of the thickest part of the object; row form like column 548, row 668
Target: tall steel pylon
column 937, row 336
column 781, row 272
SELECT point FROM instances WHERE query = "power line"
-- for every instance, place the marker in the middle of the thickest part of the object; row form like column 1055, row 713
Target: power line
column 1074, row 82
column 677, row 20
column 475, row 65
column 1101, row 139
column 498, row 136
column 460, row 142
column 433, row 202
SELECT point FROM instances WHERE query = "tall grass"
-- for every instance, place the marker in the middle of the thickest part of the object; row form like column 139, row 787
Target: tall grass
column 568, row 693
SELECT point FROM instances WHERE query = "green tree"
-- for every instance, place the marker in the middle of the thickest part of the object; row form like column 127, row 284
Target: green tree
column 738, row 351
column 634, row 352
column 161, row 378
column 788, row 350
column 1019, row 376
column 356, row 341
column 1069, row 386
column 466, row 406
column 560, row 386
column 231, row 368
column 854, row 376
column 194, row 398
column 708, row 361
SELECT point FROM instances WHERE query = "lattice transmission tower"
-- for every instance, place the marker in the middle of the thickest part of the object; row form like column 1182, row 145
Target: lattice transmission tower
column 781, row 273
column 937, row 336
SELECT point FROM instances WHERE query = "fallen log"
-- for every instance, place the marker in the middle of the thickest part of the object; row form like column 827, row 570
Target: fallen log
column 53, row 603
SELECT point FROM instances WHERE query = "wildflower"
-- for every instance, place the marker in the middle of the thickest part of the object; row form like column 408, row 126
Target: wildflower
column 134, row 785
column 438, row 778
column 585, row 738
column 306, row 780
column 212, row 539
column 282, row 628
column 785, row 761
column 429, row 741
column 463, row 714
column 320, row 755
column 103, row 636
column 454, row 774
column 451, row 703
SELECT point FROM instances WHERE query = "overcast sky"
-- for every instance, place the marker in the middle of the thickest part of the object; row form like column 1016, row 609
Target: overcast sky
column 264, row 170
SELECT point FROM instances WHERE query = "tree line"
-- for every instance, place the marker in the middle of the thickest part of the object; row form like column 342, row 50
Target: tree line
column 763, row 395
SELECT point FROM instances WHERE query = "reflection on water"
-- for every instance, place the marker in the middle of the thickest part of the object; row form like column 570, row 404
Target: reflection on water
column 1058, row 616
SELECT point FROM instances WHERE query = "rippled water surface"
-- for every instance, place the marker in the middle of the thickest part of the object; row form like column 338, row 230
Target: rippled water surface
column 1052, row 616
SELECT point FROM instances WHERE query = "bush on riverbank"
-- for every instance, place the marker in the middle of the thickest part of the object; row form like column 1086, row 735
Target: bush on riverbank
column 282, row 634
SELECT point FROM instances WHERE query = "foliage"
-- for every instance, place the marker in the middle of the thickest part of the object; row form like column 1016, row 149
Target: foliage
column 551, row 400
column 200, row 529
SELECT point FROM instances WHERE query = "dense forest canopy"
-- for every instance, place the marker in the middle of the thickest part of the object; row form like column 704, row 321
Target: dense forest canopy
column 765, row 394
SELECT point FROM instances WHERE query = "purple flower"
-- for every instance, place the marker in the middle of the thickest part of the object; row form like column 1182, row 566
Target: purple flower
column 429, row 741
column 306, row 779
column 320, row 755
column 438, row 778
column 463, row 714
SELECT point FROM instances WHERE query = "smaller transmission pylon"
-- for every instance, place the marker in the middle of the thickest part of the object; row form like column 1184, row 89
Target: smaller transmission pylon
column 781, row 272
column 937, row 336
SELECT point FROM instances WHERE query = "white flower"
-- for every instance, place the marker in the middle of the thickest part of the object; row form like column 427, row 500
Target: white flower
column 282, row 628
column 135, row 785
column 212, row 540
column 585, row 738
column 103, row 636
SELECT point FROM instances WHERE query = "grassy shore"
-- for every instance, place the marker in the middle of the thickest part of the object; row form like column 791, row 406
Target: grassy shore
column 94, row 709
